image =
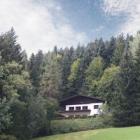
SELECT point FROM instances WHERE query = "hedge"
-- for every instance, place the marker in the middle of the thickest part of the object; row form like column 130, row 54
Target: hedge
column 72, row 125
column 7, row 137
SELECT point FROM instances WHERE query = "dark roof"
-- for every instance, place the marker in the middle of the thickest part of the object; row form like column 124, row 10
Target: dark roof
column 80, row 99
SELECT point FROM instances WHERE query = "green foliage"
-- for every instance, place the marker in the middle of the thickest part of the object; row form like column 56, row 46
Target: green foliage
column 134, row 44
column 7, row 137
column 74, row 70
column 30, row 89
column 93, row 74
column 136, row 88
column 37, row 115
column 68, row 56
column 95, row 69
column 108, row 85
column 9, row 48
column 36, row 69
column 5, row 116
column 14, row 79
column 19, row 127
column 124, row 107
column 106, row 117
column 103, row 83
column 72, row 125
column 118, row 53
column 51, row 79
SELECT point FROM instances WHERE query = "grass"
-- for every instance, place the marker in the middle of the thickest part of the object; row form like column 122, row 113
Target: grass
column 128, row 133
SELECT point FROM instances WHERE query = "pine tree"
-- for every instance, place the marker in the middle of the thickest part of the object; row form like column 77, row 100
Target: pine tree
column 124, row 110
column 66, row 62
column 36, row 69
column 9, row 48
column 118, row 53
column 52, row 78
column 136, row 110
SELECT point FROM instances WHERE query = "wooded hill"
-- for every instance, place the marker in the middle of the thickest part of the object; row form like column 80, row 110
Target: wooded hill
column 30, row 89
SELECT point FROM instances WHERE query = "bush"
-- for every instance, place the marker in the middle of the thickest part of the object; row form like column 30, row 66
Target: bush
column 72, row 125
column 104, row 120
column 7, row 137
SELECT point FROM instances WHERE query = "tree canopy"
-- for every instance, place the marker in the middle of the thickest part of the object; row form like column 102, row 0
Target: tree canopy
column 30, row 89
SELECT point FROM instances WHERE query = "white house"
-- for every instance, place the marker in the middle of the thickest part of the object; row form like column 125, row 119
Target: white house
column 80, row 105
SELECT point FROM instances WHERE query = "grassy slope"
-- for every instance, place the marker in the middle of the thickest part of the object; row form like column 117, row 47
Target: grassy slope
column 129, row 133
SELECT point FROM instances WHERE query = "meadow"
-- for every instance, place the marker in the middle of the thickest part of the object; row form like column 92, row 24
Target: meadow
column 127, row 133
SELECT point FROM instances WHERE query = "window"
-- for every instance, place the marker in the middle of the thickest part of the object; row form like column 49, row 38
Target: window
column 71, row 108
column 96, row 106
column 78, row 108
column 84, row 107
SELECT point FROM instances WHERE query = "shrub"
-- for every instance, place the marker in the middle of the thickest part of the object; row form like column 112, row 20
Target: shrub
column 7, row 137
column 78, row 124
column 104, row 120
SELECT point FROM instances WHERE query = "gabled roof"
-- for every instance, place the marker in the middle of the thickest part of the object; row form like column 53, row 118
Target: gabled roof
column 80, row 99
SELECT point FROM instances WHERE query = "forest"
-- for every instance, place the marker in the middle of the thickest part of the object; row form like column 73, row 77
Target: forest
column 31, row 86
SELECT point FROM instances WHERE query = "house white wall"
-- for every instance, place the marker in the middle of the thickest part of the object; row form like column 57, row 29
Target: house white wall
column 90, row 107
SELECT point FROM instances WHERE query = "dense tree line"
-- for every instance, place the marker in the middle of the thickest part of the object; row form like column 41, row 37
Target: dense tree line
column 30, row 89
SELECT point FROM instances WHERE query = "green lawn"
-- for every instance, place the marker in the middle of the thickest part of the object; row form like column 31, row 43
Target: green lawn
column 128, row 133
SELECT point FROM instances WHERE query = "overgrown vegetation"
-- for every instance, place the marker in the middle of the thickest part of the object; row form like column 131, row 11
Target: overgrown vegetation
column 72, row 125
column 7, row 137
column 30, row 89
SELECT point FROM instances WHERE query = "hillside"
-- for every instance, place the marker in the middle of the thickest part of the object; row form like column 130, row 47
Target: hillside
column 128, row 133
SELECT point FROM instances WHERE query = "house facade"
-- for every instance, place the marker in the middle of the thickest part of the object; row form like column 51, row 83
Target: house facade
column 79, row 105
